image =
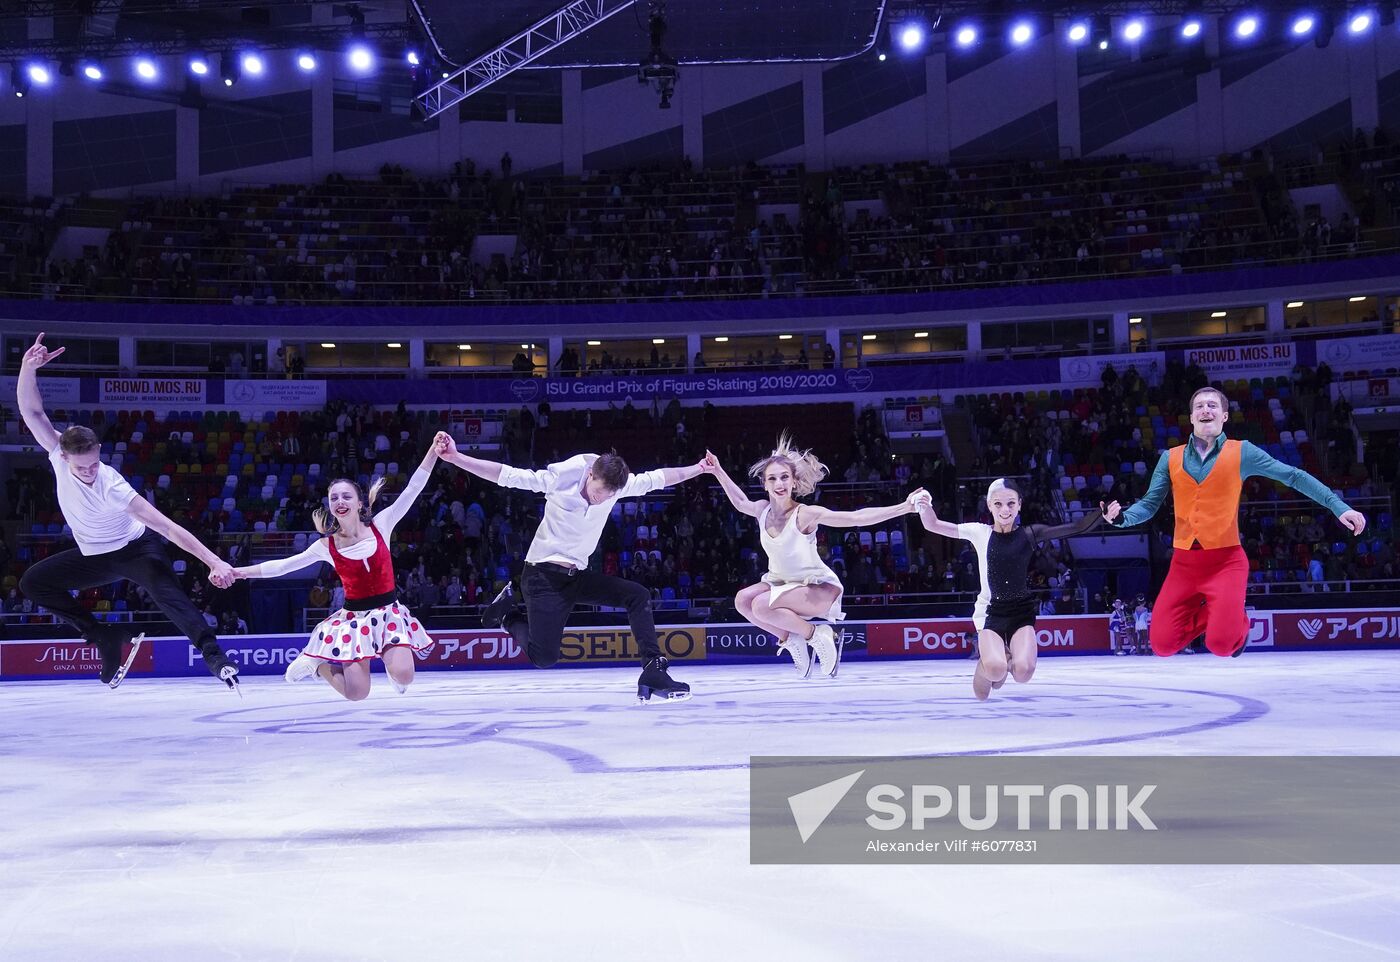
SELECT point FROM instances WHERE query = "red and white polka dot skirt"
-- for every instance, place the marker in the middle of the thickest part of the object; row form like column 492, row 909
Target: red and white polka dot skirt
column 347, row 636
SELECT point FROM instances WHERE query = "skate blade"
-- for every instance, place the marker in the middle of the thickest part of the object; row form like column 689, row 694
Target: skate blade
column 229, row 676
column 644, row 695
column 130, row 660
column 840, row 650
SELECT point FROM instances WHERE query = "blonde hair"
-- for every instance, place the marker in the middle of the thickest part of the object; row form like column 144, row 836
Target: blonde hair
column 326, row 523
column 807, row 471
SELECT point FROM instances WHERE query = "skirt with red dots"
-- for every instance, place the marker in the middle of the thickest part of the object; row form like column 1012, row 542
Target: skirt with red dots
column 357, row 635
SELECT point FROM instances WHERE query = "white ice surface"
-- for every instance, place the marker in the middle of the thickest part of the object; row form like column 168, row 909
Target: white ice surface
column 545, row 815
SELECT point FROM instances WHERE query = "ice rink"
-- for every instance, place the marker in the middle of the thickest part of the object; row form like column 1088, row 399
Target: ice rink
column 546, row 815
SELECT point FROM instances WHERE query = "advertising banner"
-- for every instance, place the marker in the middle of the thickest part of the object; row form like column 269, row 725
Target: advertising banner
column 56, row 391
column 957, row 637
column 1360, row 353
column 150, row 390
column 720, row 643
column 62, row 659
column 277, row 395
column 1243, row 360
column 1088, row 371
column 1356, row 628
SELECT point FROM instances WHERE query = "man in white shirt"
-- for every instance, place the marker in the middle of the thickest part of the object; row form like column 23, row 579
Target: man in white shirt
column 579, row 496
column 116, row 531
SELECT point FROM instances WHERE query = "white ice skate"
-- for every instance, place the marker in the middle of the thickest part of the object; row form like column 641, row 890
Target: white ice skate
column 827, row 648
column 796, row 646
column 130, row 659
column 302, row 668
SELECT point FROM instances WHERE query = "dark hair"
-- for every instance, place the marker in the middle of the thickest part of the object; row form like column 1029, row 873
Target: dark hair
column 326, row 522
column 611, row 470
column 77, row 440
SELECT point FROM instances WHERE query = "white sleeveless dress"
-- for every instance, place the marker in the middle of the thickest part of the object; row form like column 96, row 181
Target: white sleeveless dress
column 793, row 562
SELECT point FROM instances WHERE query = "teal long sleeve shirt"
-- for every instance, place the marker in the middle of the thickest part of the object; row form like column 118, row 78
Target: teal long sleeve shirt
column 1254, row 462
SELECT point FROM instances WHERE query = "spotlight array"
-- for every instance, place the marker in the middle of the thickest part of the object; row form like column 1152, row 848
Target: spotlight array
column 232, row 66
column 1099, row 31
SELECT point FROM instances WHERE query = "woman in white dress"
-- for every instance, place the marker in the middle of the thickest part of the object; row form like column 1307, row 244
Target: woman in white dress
column 798, row 585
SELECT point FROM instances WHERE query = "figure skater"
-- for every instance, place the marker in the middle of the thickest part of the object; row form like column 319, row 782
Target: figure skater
column 798, row 585
column 579, row 494
column 373, row 623
column 1004, row 613
column 116, row 531
column 1205, row 586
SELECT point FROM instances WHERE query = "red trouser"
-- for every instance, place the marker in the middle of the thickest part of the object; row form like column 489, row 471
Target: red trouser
column 1204, row 592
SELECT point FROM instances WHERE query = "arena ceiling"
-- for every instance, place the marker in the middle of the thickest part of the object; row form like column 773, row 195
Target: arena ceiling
column 697, row 31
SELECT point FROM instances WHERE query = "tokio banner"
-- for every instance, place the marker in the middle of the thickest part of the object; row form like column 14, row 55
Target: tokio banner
column 1243, row 360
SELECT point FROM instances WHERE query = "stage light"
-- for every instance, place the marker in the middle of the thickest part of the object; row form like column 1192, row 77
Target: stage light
column 1133, row 30
column 229, row 68
column 19, row 81
column 911, row 36
column 412, row 58
column 252, row 64
column 1078, row 33
column 881, row 56
column 1360, row 22
column 199, row 65
column 966, row 36
column 1247, row 27
column 1303, row 25
column 146, row 69
column 1191, row 29
column 306, row 62
column 361, row 58
column 92, row 71
column 1100, row 33
column 1021, row 33
column 39, row 74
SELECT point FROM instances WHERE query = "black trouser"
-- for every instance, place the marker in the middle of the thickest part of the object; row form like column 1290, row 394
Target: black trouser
column 142, row 561
column 551, row 591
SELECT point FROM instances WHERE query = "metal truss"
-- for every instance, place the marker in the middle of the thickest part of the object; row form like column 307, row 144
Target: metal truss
column 529, row 45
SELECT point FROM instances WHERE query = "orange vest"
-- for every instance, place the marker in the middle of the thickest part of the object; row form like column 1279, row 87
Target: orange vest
column 1209, row 511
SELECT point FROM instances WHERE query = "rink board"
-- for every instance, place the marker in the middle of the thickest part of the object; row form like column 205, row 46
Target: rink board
column 468, row 649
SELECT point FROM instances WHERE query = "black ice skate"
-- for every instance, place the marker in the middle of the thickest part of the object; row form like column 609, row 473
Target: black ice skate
column 656, row 681
column 108, row 641
column 494, row 614
column 219, row 665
